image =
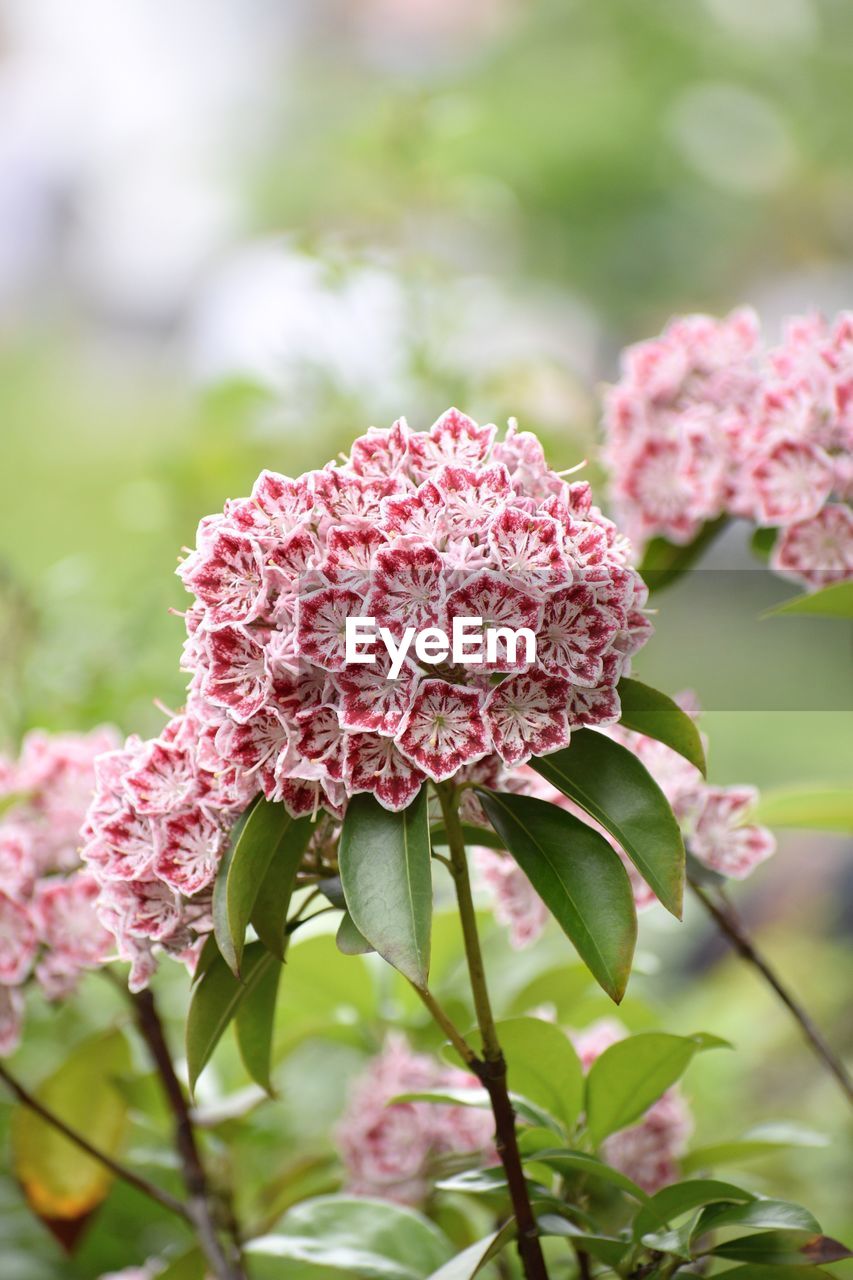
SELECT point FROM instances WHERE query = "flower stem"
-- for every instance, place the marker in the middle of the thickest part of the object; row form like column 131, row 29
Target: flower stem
column 728, row 920
column 491, row 1070
column 149, row 1189
column 460, row 1044
column 224, row 1265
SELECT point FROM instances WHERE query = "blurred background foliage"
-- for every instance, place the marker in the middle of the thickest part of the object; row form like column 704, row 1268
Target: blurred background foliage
column 233, row 236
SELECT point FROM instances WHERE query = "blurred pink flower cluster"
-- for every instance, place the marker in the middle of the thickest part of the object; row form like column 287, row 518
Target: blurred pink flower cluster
column 713, row 821
column 394, row 1151
column 706, row 422
column 648, row 1151
column 48, row 926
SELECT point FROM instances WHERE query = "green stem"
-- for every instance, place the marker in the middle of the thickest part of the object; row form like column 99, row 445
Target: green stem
column 491, row 1071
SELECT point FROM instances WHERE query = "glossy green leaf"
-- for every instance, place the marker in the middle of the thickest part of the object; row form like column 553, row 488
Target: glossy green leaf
column 215, row 1001
column 268, row 844
column 612, row 786
column 579, row 877
column 384, row 861
column 835, row 601
column 348, row 939
column 663, row 562
column 370, row 1239
column 777, row 1214
column 629, row 1076
column 568, row 1162
column 815, row 808
column 682, row 1197
column 778, row 1271
column 467, row 1264
column 786, row 1248
column 648, row 711
column 61, row 1183
column 608, row 1249
column 254, row 1022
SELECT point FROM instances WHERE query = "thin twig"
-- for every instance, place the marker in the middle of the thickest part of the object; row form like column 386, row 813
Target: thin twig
column 723, row 912
column 491, row 1071
column 195, row 1178
column 26, row 1099
column 455, row 1037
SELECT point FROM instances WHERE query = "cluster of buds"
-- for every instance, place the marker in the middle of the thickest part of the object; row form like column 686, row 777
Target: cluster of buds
column 704, row 422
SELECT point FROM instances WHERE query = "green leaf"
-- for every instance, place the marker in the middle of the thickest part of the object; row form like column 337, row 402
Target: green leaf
column 474, row 836
column 348, row 939
column 579, row 877
column 648, row 711
column 189, row 1265
column 384, row 861
column 608, row 1249
column 775, row 1271
column 663, row 562
column 254, row 1023
column 62, row 1184
column 835, row 601
column 763, row 541
column 778, row 1214
column 215, row 1001
column 816, row 808
column 762, row 1141
column 542, row 1066
column 567, row 1161
column 786, row 1248
column 612, row 786
column 476, row 1097
column 370, row 1239
column 629, row 1076
column 670, row 1202
column 470, row 1261
column 269, row 842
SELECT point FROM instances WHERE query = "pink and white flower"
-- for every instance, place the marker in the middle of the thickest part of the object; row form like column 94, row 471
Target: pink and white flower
column 705, row 423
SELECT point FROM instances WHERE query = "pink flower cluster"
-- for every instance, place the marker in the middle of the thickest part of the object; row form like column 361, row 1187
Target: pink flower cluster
column 713, row 821
column 414, row 529
column 705, row 422
column 395, row 1151
column 153, row 837
column 48, row 926
column 648, row 1151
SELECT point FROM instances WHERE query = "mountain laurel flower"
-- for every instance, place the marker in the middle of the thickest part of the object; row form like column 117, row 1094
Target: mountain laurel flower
column 49, row 928
column 648, row 1151
column 705, row 422
column 394, row 1150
